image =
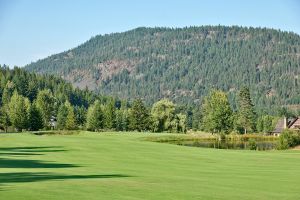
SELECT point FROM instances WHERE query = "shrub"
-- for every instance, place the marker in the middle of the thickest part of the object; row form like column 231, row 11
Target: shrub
column 288, row 139
column 252, row 144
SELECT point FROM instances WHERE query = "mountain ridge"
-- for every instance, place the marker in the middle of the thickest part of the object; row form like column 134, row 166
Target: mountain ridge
column 184, row 64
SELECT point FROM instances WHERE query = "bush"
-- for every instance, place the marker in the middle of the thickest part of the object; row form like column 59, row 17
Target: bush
column 288, row 139
column 252, row 144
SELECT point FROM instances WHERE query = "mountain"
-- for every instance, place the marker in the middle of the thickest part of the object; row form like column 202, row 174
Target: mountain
column 184, row 64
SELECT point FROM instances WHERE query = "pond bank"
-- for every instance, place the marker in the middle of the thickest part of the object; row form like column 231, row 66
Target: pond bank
column 247, row 142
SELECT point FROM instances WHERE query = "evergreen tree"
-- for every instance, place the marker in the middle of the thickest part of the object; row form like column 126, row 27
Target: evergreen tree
column 119, row 120
column 4, row 118
column 197, row 117
column 7, row 93
column 246, row 113
column 35, row 118
column 62, row 116
column 139, row 116
column 217, row 113
column 125, row 119
column 110, row 115
column 45, row 102
column 95, row 117
column 70, row 119
column 80, row 115
column 18, row 111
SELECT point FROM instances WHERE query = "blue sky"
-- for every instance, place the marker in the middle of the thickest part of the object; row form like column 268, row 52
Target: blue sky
column 34, row 29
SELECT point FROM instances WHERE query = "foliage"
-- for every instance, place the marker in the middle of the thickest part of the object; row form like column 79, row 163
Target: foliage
column 70, row 118
column 265, row 124
column 164, row 117
column 252, row 144
column 246, row 115
column 4, row 119
column 217, row 113
column 47, row 93
column 288, row 139
column 45, row 102
column 139, row 118
column 95, row 117
column 35, row 121
column 62, row 116
column 80, row 115
column 18, row 111
column 110, row 115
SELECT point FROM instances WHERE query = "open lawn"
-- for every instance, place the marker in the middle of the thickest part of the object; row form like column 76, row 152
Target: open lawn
column 122, row 166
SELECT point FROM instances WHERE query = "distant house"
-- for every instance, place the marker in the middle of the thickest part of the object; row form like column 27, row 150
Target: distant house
column 284, row 123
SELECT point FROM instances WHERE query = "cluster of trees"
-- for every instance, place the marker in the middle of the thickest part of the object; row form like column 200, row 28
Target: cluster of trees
column 32, row 102
column 217, row 115
column 162, row 117
column 185, row 64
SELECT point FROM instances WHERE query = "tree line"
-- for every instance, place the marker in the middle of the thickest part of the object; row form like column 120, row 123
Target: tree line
column 32, row 102
column 40, row 102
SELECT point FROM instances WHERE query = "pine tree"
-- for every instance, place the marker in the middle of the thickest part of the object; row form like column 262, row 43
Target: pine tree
column 119, row 117
column 45, row 102
column 70, row 120
column 246, row 113
column 18, row 111
column 7, row 93
column 95, row 117
column 35, row 118
column 110, row 115
column 125, row 119
column 80, row 115
column 62, row 116
column 139, row 116
column 4, row 118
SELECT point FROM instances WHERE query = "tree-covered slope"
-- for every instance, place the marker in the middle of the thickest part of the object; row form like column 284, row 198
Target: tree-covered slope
column 183, row 64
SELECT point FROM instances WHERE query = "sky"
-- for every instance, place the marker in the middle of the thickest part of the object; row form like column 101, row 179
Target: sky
column 34, row 29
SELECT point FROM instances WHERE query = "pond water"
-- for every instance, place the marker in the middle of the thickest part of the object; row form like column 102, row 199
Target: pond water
column 227, row 144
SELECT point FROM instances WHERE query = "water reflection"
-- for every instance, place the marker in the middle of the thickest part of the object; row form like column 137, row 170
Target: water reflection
column 227, row 144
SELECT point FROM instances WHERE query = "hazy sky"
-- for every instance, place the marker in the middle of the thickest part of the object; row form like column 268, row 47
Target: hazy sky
column 34, row 29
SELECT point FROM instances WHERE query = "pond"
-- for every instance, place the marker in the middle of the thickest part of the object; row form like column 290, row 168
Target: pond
column 227, row 144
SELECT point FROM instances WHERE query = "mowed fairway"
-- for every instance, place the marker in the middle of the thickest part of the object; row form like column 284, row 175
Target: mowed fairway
column 122, row 166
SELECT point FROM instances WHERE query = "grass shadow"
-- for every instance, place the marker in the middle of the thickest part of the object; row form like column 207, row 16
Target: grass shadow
column 32, row 149
column 25, row 177
column 20, row 154
column 8, row 152
column 24, row 163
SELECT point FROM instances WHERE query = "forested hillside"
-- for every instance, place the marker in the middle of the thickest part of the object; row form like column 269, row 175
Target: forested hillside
column 184, row 64
column 41, row 102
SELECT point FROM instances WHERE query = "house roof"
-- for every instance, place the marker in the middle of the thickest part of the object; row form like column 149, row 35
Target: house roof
column 292, row 122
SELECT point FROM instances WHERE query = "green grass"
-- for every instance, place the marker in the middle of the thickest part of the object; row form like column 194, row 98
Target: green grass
column 123, row 166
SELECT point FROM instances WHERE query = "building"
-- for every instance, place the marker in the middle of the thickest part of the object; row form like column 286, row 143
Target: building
column 284, row 123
